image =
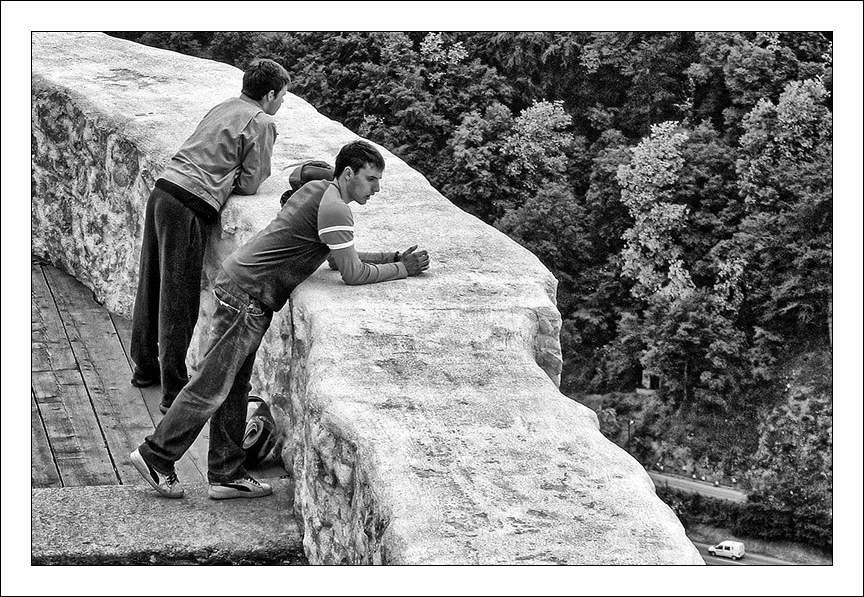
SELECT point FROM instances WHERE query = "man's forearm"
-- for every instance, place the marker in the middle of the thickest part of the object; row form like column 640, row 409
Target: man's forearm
column 354, row 271
column 255, row 168
column 378, row 257
column 248, row 181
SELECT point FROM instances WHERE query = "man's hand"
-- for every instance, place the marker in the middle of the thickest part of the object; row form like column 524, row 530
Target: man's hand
column 332, row 262
column 415, row 261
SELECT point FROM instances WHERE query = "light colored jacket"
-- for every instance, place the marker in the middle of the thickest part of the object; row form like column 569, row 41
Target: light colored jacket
column 228, row 153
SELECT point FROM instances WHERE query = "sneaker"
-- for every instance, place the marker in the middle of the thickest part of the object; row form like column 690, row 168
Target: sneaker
column 166, row 403
column 144, row 379
column 167, row 485
column 244, row 487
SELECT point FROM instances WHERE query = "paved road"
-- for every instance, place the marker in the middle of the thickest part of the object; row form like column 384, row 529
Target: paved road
column 750, row 559
column 700, row 487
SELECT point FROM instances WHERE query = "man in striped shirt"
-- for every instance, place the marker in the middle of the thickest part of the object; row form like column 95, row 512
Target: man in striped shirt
column 255, row 281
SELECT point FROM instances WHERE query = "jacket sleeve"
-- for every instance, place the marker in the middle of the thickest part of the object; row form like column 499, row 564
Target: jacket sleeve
column 336, row 230
column 258, row 138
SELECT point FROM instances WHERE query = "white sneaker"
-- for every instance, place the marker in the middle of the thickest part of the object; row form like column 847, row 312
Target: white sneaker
column 244, row 487
column 167, row 485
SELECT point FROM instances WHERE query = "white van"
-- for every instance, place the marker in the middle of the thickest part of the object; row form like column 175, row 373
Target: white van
column 728, row 549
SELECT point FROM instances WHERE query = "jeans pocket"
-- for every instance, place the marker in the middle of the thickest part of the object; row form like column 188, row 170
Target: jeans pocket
column 227, row 300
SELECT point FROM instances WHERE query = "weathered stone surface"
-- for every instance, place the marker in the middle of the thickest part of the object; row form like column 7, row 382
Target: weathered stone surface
column 128, row 525
column 422, row 418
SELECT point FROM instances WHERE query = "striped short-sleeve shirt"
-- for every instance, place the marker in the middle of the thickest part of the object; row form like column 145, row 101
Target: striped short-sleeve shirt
column 335, row 221
column 312, row 223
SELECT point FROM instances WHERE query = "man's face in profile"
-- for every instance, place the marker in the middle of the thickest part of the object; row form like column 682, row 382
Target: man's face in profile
column 364, row 184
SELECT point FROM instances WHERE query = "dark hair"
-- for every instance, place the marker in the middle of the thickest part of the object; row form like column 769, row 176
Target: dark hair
column 356, row 155
column 262, row 75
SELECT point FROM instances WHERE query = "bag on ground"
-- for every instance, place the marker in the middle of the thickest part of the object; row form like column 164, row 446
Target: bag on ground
column 259, row 440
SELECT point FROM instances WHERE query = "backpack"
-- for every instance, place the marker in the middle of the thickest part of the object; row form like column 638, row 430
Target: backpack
column 259, row 439
column 306, row 172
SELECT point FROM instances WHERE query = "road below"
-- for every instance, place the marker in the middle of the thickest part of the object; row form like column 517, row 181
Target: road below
column 749, row 559
column 700, row 487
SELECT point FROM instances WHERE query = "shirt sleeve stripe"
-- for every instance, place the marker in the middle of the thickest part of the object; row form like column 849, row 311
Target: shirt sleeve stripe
column 336, row 229
column 341, row 245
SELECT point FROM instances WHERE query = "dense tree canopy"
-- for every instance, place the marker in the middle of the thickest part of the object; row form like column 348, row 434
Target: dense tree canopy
column 678, row 184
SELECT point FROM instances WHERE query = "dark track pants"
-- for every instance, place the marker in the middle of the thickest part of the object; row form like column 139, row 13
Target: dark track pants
column 169, row 287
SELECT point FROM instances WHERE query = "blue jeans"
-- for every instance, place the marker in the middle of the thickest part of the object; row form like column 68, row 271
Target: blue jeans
column 218, row 390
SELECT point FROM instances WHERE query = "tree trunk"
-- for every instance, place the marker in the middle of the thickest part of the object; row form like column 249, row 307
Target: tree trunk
column 686, row 384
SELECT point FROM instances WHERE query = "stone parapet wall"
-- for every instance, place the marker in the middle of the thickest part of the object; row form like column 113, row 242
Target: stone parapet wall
column 90, row 184
column 421, row 417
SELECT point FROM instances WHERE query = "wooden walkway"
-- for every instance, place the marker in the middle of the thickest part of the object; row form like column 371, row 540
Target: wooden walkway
column 85, row 416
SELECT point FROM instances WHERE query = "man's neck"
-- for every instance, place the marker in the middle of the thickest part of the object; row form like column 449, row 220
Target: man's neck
column 245, row 97
column 342, row 195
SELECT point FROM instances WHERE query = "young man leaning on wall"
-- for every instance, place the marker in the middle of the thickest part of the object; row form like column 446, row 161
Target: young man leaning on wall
column 255, row 281
column 229, row 152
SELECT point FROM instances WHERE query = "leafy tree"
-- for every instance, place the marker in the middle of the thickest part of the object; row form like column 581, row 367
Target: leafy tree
column 497, row 162
column 538, row 65
column 786, row 238
column 538, row 144
column 187, row 42
column 601, row 293
column 652, row 254
column 476, row 162
column 620, row 367
column 652, row 68
column 606, row 215
column 792, row 468
column 707, row 186
column 736, row 70
column 699, row 353
column 549, row 225
column 407, row 93
column 237, row 47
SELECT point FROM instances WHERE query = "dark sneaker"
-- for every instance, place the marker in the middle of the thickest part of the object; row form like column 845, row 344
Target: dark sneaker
column 167, row 485
column 144, row 379
column 166, row 403
column 245, row 487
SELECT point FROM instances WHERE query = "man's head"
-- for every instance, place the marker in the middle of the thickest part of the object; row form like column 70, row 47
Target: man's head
column 266, row 81
column 358, row 171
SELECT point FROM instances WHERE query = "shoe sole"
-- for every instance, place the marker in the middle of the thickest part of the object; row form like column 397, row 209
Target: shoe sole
column 145, row 382
column 233, row 494
column 142, row 468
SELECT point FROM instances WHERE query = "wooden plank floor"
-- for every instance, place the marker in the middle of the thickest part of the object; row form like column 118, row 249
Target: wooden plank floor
column 85, row 415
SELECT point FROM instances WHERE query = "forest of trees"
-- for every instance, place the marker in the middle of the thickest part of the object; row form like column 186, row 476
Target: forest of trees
column 678, row 185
